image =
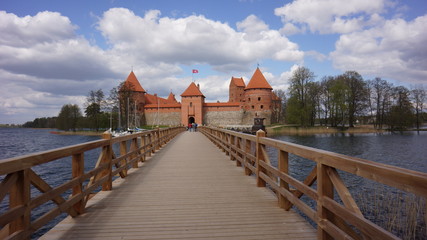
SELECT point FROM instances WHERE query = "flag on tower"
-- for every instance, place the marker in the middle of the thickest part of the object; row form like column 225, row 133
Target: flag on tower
column 195, row 71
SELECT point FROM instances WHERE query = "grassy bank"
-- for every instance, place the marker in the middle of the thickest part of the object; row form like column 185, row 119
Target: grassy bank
column 296, row 130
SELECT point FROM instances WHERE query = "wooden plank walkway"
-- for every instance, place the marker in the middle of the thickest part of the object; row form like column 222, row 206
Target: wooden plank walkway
column 187, row 190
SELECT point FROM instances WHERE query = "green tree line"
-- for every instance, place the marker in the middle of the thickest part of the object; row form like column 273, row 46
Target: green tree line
column 348, row 99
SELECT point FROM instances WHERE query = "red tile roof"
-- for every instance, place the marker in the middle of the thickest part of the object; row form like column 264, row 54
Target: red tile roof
column 133, row 82
column 238, row 82
column 154, row 99
column 258, row 81
column 171, row 98
column 192, row 91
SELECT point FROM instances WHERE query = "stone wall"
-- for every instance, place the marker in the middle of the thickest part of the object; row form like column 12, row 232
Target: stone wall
column 165, row 119
column 241, row 117
column 222, row 118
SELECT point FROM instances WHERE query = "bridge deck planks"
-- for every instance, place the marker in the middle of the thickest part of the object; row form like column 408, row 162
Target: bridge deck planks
column 187, row 190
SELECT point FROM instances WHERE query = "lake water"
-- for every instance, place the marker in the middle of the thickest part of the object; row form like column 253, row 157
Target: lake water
column 21, row 141
column 401, row 213
column 407, row 150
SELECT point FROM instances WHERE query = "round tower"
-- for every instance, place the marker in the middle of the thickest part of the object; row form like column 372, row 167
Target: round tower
column 258, row 99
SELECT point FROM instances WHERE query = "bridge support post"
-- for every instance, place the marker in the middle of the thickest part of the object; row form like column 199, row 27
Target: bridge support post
column 247, row 161
column 283, row 161
column 259, row 157
column 107, row 158
column 20, row 196
column 325, row 188
column 78, row 166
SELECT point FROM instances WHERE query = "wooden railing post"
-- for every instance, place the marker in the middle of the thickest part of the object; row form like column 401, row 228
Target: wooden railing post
column 20, row 196
column 259, row 157
column 239, row 146
column 231, row 144
column 134, row 147
column 283, row 160
column 158, row 139
column 325, row 188
column 144, row 147
column 107, row 159
column 247, row 161
column 78, row 166
column 124, row 162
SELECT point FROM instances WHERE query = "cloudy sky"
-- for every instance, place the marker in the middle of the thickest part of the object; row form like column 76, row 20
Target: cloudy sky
column 54, row 52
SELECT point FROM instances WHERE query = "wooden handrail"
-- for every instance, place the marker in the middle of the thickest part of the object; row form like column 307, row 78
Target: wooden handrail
column 332, row 218
column 18, row 176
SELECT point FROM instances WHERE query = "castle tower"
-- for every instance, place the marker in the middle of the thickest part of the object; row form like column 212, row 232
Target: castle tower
column 192, row 101
column 258, row 97
column 132, row 101
column 236, row 90
column 138, row 93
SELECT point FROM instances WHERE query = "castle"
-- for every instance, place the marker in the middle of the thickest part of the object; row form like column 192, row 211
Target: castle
column 246, row 102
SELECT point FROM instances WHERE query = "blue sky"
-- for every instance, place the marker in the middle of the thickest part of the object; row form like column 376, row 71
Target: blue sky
column 54, row 52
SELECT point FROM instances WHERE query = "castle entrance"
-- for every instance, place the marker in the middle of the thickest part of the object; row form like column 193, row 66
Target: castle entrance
column 191, row 120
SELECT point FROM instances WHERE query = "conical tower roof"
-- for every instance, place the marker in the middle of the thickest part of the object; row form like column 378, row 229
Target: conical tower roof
column 258, row 81
column 192, row 91
column 171, row 98
column 133, row 82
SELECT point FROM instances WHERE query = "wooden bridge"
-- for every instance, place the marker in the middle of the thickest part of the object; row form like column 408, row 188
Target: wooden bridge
column 188, row 189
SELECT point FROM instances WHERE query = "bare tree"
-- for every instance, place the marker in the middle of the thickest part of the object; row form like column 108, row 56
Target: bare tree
column 419, row 97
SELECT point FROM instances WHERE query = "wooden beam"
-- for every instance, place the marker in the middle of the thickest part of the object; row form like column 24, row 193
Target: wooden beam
column 78, row 171
column 259, row 157
column 20, row 196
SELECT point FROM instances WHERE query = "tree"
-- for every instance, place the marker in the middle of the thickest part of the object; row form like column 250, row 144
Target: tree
column 298, row 106
column 313, row 102
column 325, row 97
column 357, row 96
column 381, row 94
column 68, row 117
column 401, row 113
column 419, row 97
column 94, row 102
column 280, row 114
column 338, row 106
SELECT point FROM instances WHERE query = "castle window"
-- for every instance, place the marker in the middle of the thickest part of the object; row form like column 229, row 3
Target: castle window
column 253, row 107
column 259, row 98
column 249, row 99
column 262, row 106
column 191, row 104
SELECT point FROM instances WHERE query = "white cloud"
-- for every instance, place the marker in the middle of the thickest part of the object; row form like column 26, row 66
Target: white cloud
column 396, row 49
column 329, row 16
column 46, row 64
column 194, row 39
column 26, row 31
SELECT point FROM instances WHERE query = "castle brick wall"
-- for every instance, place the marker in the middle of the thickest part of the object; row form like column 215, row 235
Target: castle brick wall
column 223, row 118
column 163, row 118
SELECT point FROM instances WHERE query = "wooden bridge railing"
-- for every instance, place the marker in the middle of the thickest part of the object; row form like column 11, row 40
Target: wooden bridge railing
column 334, row 220
column 16, row 222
